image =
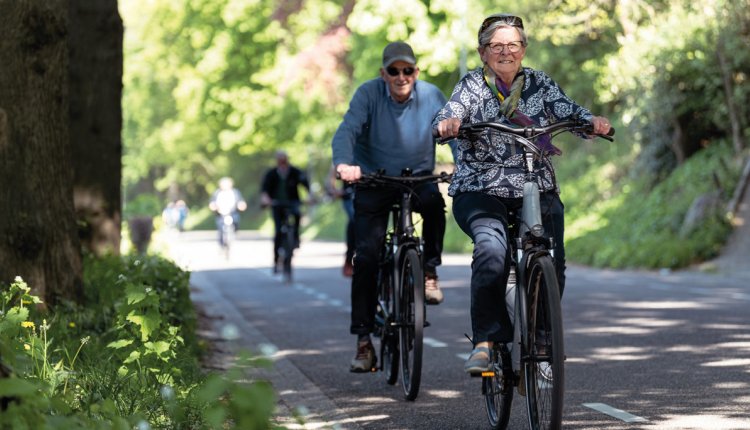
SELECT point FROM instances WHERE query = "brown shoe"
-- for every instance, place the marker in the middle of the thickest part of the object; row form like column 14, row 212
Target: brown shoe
column 365, row 360
column 432, row 293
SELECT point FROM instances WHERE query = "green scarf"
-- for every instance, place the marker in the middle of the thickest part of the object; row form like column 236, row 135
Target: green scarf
column 508, row 104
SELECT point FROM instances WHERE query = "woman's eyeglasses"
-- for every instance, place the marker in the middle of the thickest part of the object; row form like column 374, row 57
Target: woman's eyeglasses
column 394, row 71
column 513, row 47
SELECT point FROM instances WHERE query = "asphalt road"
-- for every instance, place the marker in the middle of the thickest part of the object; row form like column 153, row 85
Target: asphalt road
column 646, row 350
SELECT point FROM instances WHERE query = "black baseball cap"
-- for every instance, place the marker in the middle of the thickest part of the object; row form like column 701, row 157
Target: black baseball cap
column 398, row 51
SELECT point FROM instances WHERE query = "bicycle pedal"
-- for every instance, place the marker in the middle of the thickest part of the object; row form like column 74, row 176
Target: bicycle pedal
column 426, row 323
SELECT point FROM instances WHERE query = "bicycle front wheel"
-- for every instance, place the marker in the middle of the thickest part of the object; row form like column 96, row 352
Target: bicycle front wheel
column 411, row 318
column 498, row 388
column 385, row 319
column 226, row 239
column 544, row 372
column 288, row 252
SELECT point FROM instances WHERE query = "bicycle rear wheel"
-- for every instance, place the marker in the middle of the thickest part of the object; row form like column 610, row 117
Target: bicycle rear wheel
column 411, row 318
column 386, row 316
column 498, row 388
column 544, row 371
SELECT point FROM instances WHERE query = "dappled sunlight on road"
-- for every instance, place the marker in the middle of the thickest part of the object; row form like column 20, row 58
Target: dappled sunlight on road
column 702, row 422
column 622, row 353
column 298, row 353
column 663, row 305
column 445, row 394
column 729, row 362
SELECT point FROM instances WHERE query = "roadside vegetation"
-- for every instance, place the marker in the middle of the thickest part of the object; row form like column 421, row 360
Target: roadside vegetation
column 127, row 358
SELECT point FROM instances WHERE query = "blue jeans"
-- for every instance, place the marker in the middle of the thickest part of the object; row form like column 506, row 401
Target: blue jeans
column 484, row 219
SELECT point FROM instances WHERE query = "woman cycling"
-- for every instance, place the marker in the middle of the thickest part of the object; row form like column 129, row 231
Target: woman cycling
column 489, row 169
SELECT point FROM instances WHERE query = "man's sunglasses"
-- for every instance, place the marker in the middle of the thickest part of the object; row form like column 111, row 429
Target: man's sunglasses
column 394, row 71
column 511, row 20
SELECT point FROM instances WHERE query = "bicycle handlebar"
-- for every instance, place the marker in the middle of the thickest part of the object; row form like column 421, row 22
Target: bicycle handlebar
column 407, row 181
column 529, row 132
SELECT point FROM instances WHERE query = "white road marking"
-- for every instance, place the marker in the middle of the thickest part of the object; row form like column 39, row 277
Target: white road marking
column 616, row 413
column 434, row 342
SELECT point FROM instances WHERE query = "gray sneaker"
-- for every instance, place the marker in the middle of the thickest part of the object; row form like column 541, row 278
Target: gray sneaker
column 365, row 359
column 479, row 361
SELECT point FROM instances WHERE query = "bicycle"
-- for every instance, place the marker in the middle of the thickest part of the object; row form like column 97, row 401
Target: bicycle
column 533, row 362
column 401, row 311
column 288, row 238
column 228, row 230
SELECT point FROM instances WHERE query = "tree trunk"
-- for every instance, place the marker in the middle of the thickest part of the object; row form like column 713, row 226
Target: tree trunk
column 726, row 78
column 96, row 33
column 38, row 237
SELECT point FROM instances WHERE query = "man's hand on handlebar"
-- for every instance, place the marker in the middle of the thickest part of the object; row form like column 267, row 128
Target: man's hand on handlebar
column 348, row 173
column 265, row 200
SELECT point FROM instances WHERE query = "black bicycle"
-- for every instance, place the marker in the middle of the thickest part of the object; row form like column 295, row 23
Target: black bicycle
column 288, row 240
column 534, row 362
column 401, row 312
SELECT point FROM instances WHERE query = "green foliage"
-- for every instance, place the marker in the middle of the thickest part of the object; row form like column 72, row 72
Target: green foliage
column 126, row 358
column 642, row 226
column 213, row 87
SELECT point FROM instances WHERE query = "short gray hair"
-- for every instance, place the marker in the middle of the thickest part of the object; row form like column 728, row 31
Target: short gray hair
column 486, row 35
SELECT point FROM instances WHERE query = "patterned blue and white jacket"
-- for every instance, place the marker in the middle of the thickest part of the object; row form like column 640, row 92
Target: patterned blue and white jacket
column 493, row 163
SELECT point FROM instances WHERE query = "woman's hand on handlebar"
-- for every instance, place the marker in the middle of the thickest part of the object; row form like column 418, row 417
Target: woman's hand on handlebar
column 448, row 127
column 348, row 173
column 601, row 125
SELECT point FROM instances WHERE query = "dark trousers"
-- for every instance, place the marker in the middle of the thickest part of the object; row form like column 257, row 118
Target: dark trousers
column 484, row 219
column 371, row 209
column 279, row 218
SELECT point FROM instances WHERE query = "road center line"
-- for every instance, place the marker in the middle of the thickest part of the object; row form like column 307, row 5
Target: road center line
column 616, row 413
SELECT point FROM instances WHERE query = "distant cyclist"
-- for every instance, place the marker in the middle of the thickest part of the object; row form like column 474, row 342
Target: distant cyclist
column 227, row 200
column 281, row 186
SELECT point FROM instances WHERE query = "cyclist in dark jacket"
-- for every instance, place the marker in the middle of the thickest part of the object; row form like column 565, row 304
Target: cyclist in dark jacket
column 280, row 190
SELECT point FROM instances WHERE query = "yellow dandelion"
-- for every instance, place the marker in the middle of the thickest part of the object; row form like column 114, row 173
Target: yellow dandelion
column 26, row 346
column 27, row 324
column 71, row 324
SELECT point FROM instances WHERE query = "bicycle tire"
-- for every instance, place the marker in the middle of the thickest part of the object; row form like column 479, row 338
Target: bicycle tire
column 498, row 389
column 411, row 308
column 389, row 355
column 544, row 371
column 226, row 239
column 288, row 247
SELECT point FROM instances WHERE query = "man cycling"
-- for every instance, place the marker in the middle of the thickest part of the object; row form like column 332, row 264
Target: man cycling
column 281, row 186
column 388, row 127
